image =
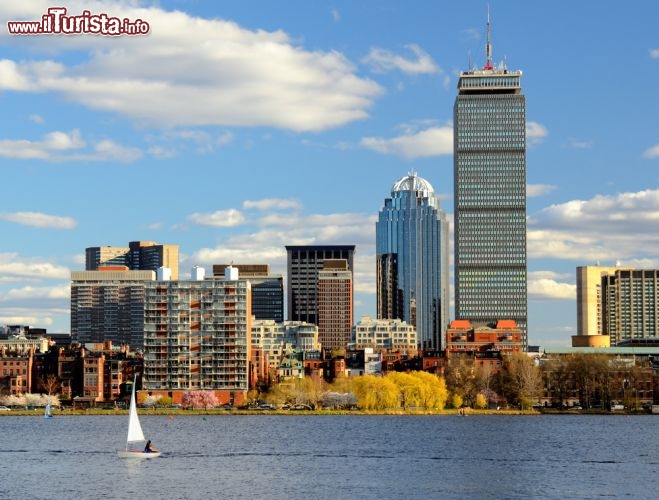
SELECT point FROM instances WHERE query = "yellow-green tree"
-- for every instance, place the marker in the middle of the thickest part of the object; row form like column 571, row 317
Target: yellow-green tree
column 433, row 392
column 341, row 385
column 481, row 400
column 164, row 401
column 456, row 400
column 409, row 387
column 376, row 393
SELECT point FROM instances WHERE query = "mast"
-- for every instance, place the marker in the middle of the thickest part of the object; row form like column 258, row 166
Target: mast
column 488, row 46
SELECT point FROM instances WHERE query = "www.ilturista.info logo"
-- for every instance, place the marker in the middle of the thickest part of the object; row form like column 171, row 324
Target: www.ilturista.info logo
column 56, row 22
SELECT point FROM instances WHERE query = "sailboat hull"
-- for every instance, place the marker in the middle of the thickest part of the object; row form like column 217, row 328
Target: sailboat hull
column 137, row 454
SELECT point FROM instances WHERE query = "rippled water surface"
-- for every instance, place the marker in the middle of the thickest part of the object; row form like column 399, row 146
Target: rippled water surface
column 334, row 457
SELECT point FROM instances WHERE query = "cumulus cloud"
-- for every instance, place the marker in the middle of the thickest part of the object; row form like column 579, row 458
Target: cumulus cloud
column 535, row 132
column 13, row 268
column 37, row 219
column 382, row 61
column 62, row 292
column 219, row 218
column 66, row 146
column 434, row 141
column 533, row 190
column 550, row 289
column 193, row 71
column 267, row 243
column 603, row 228
column 547, row 285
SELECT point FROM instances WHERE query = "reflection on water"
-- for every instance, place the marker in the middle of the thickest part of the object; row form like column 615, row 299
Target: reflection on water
column 336, row 457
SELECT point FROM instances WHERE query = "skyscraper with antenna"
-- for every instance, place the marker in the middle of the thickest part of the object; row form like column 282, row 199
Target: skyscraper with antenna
column 489, row 166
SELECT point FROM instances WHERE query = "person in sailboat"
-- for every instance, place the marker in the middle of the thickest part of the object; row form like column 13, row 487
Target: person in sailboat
column 148, row 448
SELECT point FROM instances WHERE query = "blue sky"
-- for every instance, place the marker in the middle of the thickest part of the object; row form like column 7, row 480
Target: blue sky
column 235, row 128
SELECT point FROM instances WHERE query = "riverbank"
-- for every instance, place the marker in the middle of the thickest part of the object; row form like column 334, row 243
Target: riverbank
column 174, row 412
column 38, row 412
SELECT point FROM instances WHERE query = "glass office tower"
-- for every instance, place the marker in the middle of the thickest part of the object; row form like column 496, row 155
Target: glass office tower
column 412, row 260
column 490, row 197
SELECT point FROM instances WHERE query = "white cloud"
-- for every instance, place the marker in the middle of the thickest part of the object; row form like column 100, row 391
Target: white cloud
column 603, row 228
column 107, row 150
column 336, row 15
column 652, row 152
column 12, row 77
column 382, row 61
column 192, row 71
column 66, row 146
column 535, row 132
column 272, row 204
column 37, row 119
column 550, row 289
column 219, row 218
column 435, row 141
column 13, row 268
column 37, row 219
column 533, row 190
column 33, row 321
column 267, row 243
column 654, row 53
column 62, row 292
column 546, row 285
column 63, row 141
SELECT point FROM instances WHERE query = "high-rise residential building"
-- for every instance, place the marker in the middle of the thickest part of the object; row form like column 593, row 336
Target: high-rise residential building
column 138, row 256
column 197, row 336
column 590, row 303
column 489, row 159
column 109, row 305
column 412, row 260
column 630, row 305
column 335, row 292
column 303, row 265
column 267, row 289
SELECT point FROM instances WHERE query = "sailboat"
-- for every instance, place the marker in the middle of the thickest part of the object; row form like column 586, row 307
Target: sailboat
column 47, row 413
column 135, row 434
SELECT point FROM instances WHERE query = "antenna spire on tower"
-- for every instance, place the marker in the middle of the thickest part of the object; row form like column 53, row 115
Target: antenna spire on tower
column 488, row 46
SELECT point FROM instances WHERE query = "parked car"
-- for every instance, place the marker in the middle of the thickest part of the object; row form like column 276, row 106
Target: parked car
column 4, row 408
column 266, row 406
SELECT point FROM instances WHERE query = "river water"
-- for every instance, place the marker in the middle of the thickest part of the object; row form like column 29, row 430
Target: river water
column 334, row 457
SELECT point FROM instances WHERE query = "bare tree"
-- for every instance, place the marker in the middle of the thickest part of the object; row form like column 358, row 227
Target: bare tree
column 50, row 384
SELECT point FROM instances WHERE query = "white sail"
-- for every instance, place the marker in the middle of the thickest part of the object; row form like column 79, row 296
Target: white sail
column 134, row 428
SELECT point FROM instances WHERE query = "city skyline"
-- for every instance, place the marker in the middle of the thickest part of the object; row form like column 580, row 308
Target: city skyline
column 159, row 137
